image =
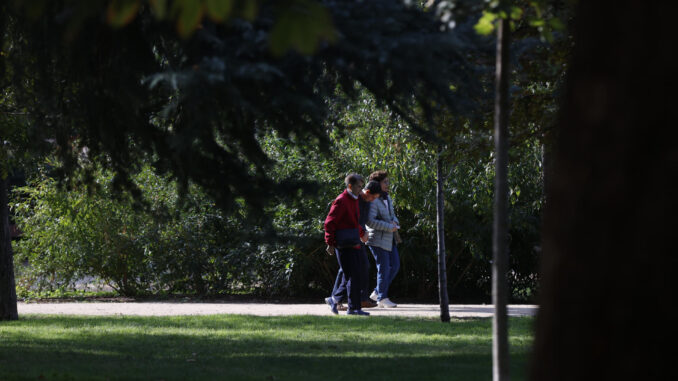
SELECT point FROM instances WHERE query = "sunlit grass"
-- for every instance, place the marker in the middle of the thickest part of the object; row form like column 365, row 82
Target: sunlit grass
column 237, row 347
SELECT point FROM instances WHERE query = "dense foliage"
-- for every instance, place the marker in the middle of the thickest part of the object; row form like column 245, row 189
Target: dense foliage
column 212, row 128
column 374, row 138
column 187, row 245
column 166, row 244
column 198, row 102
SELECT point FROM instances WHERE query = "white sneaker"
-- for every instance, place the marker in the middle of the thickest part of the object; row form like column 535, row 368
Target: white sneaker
column 374, row 296
column 387, row 303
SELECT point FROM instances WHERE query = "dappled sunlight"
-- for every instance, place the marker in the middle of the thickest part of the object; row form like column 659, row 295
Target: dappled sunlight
column 241, row 345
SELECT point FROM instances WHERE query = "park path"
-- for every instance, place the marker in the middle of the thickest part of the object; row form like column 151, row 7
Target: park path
column 258, row 309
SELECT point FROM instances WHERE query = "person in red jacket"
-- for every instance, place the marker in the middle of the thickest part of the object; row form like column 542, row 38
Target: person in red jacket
column 343, row 235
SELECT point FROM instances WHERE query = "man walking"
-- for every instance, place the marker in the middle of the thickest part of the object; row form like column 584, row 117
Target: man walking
column 344, row 235
column 370, row 193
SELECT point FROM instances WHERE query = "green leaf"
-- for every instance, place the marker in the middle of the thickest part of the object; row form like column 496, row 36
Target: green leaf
column 485, row 24
column 516, row 13
column 301, row 27
column 548, row 36
column 188, row 13
column 219, row 10
column 556, row 24
column 537, row 8
column 159, row 8
column 121, row 12
column 537, row 23
column 249, row 10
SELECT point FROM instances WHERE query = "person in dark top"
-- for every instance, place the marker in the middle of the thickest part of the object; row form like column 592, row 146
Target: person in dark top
column 370, row 193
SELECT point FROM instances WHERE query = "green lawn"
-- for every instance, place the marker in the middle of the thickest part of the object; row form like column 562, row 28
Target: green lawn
column 237, row 347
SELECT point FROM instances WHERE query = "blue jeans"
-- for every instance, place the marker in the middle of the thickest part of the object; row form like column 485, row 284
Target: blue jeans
column 388, row 264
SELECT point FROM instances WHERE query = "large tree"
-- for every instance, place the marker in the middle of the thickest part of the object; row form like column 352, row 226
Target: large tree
column 16, row 148
column 609, row 251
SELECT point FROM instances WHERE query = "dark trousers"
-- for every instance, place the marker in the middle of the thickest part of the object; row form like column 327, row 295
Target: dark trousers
column 339, row 290
column 350, row 265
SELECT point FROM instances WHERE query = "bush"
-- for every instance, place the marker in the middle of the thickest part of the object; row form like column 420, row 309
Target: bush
column 166, row 244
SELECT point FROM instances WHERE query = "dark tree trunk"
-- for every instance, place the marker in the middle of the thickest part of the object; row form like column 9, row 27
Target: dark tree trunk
column 440, row 224
column 500, row 355
column 8, row 309
column 606, row 308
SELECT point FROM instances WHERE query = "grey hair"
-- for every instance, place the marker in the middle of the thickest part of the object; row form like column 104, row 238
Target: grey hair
column 353, row 179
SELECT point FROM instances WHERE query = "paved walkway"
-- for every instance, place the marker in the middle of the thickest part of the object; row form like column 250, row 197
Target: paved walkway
column 258, row 309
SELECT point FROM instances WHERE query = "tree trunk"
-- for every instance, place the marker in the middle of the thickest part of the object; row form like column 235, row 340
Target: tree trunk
column 8, row 308
column 609, row 254
column 440, row 224
column 500, row 355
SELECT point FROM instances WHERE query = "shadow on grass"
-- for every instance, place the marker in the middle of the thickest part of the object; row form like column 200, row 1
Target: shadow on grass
column 247, row 347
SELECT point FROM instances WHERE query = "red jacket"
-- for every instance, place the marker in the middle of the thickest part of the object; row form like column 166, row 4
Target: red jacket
column 344, row 214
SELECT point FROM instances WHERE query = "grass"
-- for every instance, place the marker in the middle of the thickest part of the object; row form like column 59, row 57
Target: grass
column 236, row 347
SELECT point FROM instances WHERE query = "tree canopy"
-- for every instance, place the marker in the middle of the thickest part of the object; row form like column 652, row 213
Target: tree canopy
column 196, row 104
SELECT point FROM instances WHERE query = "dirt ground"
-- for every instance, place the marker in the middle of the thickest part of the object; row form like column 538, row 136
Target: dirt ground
column 173, row 308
